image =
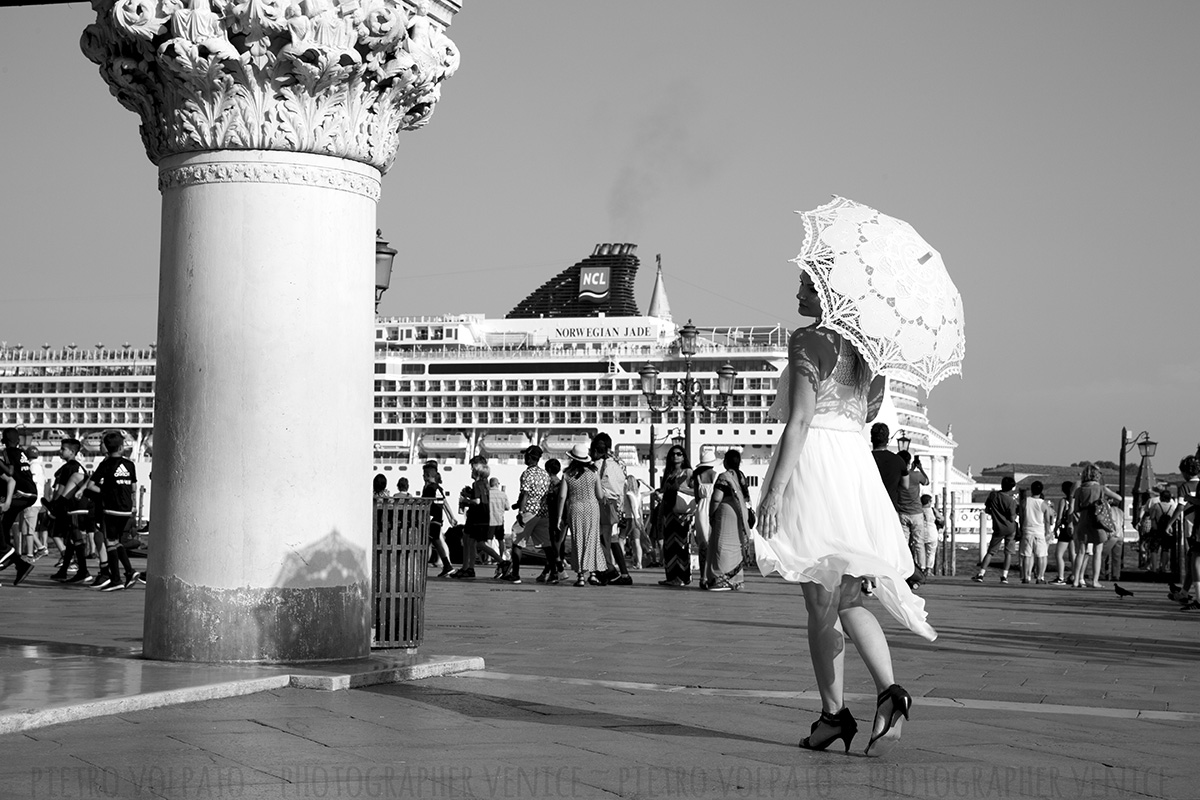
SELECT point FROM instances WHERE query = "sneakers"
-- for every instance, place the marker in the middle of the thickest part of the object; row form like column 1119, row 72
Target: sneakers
column 541, row 578
column 511, row 578
column 79, row 577
column 101, row 582
column 132, row 579
column 978, row 579
column 113, row 587
column 553, row 579
column 23, row 568
column 446, row 570
column 621, row 580
column 1004, row 579
column 464, row 574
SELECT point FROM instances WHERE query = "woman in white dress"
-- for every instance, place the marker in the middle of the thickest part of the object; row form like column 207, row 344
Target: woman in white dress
column 826, row 522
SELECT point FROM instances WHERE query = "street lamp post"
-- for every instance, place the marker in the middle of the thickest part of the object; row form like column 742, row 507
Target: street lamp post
column 686, row 392
column 1146, row 449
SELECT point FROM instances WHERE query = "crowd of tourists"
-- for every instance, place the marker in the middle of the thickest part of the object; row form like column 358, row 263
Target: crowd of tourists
column 86, row 515
column 585, row 522
column 1085, row 530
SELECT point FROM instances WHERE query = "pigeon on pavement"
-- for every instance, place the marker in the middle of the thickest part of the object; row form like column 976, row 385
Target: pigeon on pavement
column 1121, row 592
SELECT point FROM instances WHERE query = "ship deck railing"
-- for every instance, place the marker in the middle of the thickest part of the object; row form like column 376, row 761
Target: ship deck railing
column 605, row 353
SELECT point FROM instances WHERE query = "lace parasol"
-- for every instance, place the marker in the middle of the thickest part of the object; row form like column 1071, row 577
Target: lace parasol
column 886, row 290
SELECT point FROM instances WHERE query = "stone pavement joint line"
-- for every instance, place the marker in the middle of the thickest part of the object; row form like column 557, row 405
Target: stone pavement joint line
column 762, row 694
column 118, row 685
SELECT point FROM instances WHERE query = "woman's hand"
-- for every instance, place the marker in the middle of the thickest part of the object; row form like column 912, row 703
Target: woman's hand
column 768, row 514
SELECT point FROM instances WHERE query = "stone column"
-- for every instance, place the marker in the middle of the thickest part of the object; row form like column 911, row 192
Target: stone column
column 272, row 125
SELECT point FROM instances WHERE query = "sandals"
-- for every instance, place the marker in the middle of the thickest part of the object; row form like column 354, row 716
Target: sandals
column 842, row 724
column 890, row 734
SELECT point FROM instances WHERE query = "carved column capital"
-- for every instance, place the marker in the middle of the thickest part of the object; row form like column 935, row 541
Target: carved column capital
column 331, row 77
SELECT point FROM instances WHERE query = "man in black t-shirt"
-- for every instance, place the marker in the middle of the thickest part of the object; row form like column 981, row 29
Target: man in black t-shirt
column 1001, row 506
column 892, row 469
column 114, row 482
column 19, row 493
column 437, row 537
column 67, row 508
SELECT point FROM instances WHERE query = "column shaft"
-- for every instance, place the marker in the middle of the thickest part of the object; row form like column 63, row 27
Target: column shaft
column 262, row 520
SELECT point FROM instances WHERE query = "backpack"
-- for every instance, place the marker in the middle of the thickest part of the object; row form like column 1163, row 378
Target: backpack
column 611, row 486
column 610, row 490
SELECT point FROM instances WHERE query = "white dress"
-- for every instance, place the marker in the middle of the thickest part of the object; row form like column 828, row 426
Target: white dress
column 835, row 517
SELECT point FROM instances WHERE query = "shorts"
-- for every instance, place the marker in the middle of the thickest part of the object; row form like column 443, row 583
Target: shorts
column 479, row 533
column 435, row 530
column 536, row 531
column 1090, row 536
column 115, row 527
column 1034, row 545
column 498, row 532
column 1008, row 539
column 914, row 527
column 66, row 527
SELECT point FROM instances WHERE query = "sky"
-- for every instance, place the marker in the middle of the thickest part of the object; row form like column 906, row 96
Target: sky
column 1047, row 150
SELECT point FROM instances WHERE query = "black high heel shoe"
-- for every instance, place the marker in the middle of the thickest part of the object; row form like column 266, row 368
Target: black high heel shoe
column 844, row 727
column 901, row 703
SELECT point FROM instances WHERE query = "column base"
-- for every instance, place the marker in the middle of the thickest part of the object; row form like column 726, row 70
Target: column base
column 256, row 625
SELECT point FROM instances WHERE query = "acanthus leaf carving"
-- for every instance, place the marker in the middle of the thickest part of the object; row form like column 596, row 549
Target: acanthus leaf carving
column 331, row 77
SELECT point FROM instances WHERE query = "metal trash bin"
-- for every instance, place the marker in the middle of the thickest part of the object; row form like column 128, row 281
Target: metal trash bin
column 398, row 576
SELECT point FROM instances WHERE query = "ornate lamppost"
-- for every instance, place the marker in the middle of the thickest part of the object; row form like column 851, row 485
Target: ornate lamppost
column 385, row 257
column 686, row 392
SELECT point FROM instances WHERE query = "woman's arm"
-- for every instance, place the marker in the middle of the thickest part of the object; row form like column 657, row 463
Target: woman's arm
column 562, row 503
column 810, row 362
column 718, row 494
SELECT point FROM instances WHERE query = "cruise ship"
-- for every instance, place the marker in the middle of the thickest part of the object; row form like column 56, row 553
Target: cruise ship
column 561, row 366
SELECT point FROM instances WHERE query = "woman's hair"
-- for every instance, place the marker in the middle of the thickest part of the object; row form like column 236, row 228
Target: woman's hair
column 1067, row 488
column 1035, row 488
column 481, row 470
column 576, row 468
column 1090, row 472
column 402, row 484
column 379, row 483
column 732, row 459
column 601, row 444
column 676, row 459
column 1190, row 467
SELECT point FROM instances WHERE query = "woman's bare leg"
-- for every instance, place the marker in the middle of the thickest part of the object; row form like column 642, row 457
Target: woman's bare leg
column 826, row 644
column 865, row 632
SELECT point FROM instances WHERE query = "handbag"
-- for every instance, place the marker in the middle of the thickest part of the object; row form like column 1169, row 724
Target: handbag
column 1103, row 516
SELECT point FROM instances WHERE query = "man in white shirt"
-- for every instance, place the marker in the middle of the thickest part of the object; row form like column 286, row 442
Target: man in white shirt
column 33, row 540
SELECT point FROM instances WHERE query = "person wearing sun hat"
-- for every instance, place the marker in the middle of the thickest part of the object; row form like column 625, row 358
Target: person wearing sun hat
column 701, row 482
column 579, row 510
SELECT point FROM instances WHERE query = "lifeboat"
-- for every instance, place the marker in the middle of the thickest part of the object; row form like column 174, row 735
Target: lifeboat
column 504, row 443
column 444, row 443
column 557, row 444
